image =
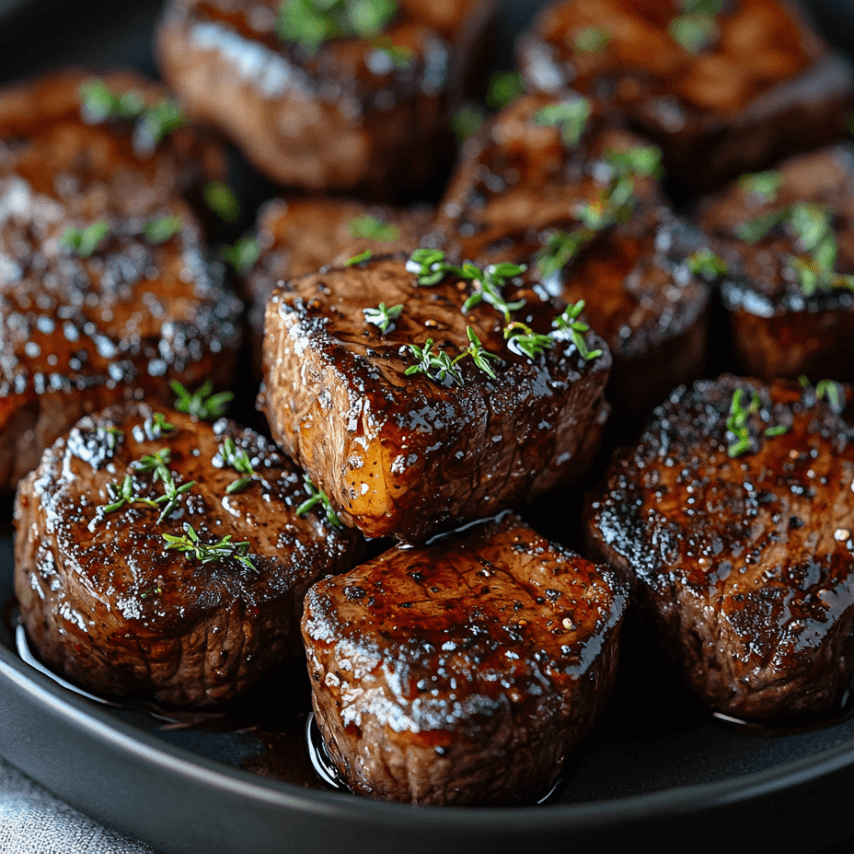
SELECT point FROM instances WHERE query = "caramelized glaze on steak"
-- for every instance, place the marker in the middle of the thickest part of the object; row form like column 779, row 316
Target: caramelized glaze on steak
column 743, row 564
column 519, row 182
column 764, row 86
column 779, row 331
column 106, row 604
column 79, row 333
column 346, row 117
column 300, row 236
column 406, row 454
column 462, row 672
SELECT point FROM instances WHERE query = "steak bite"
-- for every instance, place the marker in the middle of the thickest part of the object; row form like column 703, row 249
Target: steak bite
column 109, row 601
column 788, row 236
column 462, row 672
column 106, row 290
column 414, row 414
column 549, row 192
column 300, row 236
column 720, row 93
column 321, row 112
column 739, row 538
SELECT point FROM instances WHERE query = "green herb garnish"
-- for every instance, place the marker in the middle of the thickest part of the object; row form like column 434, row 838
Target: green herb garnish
column 156, row 123
column 122, row 495
column 568, row 324
column 309, row 23
column 705, row 263
column 696, row 28
column 373, row 228
column 112, row 435
column 162, row 229
column 86, row 241
column 158, row 464
column 560, row 249
column 243, row 254
column 194, row 548
column 779, row 430
column 318, row 496
column 504, row 87
column 382, row 316
column 220, row 198
column 239, row 460
column 488, row 284
column 99, row 102
column 429, row 266
column 156, row 425
column 833, row 392
column 201, row 403
column 591, row 39
column 439, row 365
column 523, row 340
column 467, row 122
column 737, row 423
column 570, row 117
column 763, row 184
column 358, row 259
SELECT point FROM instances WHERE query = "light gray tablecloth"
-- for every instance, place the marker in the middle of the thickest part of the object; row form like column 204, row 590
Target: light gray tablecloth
column 34, row 822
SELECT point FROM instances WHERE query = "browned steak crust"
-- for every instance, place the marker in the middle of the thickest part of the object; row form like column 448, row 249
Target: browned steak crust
column 346, row 117
column 106, row 604
column 743, row 564
column 409, row 455
column 766, row 85
column 778, row 330
column 78, row 333
column 462, row 672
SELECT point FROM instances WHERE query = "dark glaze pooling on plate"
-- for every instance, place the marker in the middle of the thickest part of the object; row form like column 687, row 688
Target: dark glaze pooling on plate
column 81, row 333
column 766, row 87
column 464, row 671
column 344, row 118
column 406, row 455
column 777, row 331
column 743, row 565
column 518, row 181
column 105, row 604
column 298, row 236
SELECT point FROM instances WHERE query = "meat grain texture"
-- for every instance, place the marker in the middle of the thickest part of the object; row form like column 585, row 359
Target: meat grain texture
column 462, row 672
column 410, row 455
column 742, row 564
column 721, row 94
column 779, row 330
column 106, row 604
column 79, row 333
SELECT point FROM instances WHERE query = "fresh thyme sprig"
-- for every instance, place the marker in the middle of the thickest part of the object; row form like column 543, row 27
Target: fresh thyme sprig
column 358, row 259
column 561, row 247
column 86, row 241
column 523, row 340
column 243, row 254
column 318, row 496
column 570, row 117
column 830, row 390
column 312, row 22
column 488, row 284
column 194, row 548
column 220, row 198
column 162, row 228
column 122, row 495
column 239, row 460
column 201, row 403
column 373, row 228
column 568, row 324
column 158, row 464
column 737, row 423
column 383, row 316
column 156, row 425
column 429, row 266
column 439, row 365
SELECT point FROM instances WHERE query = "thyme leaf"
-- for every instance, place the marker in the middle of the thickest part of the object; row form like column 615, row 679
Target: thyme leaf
column 765, row 185
column 523, row 340
column 86, row 241
column 112, row 435
column 737, row 423
column 318, row 496
column 382, row 316
column 358, row 259
column 191, row 546
column 570, row 117
column 162, row 229
column 568, row 324
column 309, row 23
column 201, row 403
column 220, row 198
column 373, row 228
column 707, row 264
column 243, row 254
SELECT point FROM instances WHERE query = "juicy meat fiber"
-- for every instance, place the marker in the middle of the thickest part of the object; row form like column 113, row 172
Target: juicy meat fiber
column 106, row 604
column 462, row 672
column 743, row 564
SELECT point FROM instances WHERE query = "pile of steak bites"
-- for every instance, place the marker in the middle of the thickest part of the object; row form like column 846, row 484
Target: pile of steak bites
column 663, row 191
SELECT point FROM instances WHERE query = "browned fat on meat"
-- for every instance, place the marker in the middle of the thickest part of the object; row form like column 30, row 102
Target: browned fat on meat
column 777, row 330
column 410, row 455
column 462, row 672
column 348, row 116
column 742, row 564
column 757, row 85
column 79, row 333
column 106, row 604
column 298, row 236
column 519, row 182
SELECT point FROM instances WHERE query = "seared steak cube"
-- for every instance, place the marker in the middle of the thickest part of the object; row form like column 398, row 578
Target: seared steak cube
column 525, row 190
column 344, row 113
column 721, row 93
column 298, row 236
column 105, row 598
column 462, row 672
column 402, row 418
column 740, row 538
column 788, row 235
column 106, row 291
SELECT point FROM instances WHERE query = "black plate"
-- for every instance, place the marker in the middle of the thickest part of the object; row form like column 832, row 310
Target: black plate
column 657, row 769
